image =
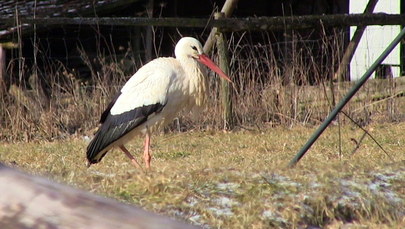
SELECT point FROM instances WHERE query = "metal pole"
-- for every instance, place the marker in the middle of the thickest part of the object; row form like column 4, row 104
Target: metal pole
column 347, row 98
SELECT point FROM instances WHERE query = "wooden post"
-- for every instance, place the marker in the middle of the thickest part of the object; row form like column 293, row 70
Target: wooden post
column 226, row 96
column 149, row 33
column 227, row 9
column 352, row 46
column 136, row 44
column 3, row 81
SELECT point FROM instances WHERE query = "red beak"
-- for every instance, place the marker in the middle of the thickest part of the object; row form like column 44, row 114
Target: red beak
column 204, row 59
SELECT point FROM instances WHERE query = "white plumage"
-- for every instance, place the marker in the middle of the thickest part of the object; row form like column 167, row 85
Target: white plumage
column 152, row 98
column 156, row 77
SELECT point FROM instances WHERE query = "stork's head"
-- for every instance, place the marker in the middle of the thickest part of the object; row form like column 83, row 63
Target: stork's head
column 189, row 47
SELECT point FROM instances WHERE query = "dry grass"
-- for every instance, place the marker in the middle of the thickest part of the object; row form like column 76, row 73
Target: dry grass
column 265, row 92
column 240, row 180
column 226, row 180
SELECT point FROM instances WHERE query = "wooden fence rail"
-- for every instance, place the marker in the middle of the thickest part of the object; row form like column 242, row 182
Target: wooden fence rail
column 226, row 24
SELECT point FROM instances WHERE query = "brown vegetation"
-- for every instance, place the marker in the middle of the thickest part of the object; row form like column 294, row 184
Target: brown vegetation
column 234, row 179
column 266, row 92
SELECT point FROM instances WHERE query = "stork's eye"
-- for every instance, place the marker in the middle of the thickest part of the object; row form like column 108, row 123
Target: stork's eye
column 195, row 48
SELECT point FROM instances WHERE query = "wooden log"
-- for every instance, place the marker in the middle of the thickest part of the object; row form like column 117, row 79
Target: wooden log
column 32, row 202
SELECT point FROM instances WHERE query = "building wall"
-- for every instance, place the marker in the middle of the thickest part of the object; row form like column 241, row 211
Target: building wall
column 375, row 39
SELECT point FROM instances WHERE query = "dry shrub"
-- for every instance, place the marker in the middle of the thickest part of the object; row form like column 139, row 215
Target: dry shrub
column 66, row 105
column 277, row 90
column 289, row 89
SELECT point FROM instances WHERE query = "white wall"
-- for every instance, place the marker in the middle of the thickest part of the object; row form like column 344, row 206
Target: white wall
column 375, row 39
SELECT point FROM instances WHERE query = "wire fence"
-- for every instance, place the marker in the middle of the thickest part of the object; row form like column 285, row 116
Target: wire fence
column 282, row 78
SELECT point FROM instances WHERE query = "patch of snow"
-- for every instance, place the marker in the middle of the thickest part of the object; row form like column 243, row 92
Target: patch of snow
column 374, row 187
column 178, row 213
column 224, row 205
column 350, row 196
column 315, row 185
column 380, row 186
column 393, row 197
column 192, row 201
column 226, row 202
column 94, row 172
column 389, row 177
column 196, row 219
column 351, row 184
column 280, row 180
column 270, row 215
column 86, row 139
column 227, row 186
column 348, row 200
column 221, row 212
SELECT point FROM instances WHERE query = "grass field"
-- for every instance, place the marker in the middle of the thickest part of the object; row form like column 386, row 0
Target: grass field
column 239, row 179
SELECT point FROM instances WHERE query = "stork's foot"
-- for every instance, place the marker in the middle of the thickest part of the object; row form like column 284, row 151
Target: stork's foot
column 129, row 155
column 146, row 153
column 135, row 163
column 147, row 158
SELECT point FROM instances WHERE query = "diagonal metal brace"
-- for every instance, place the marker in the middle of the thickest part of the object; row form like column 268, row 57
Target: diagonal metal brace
column 346, row 99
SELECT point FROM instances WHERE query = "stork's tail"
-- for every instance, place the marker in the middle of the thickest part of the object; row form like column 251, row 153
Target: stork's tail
column 96, row 150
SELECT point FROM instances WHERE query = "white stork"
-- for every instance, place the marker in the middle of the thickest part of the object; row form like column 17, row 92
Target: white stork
column 152, row 98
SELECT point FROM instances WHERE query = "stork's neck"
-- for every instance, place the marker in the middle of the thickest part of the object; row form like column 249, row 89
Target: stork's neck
column 196, row 77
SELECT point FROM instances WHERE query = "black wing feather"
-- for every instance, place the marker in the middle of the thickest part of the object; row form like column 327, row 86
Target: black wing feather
column 116, row 126
column 106, row 112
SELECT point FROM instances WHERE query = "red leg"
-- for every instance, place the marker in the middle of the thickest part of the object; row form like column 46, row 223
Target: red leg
column 146, row 152
column 134, row 162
